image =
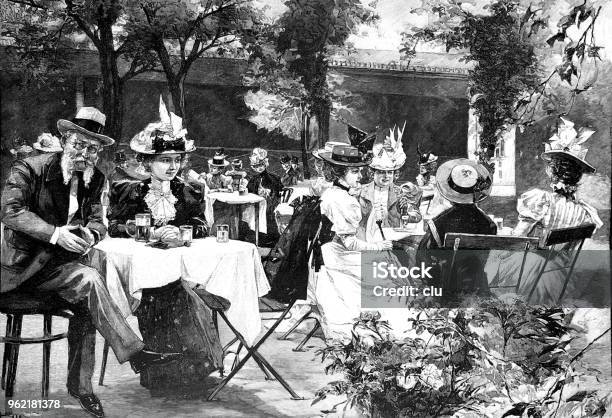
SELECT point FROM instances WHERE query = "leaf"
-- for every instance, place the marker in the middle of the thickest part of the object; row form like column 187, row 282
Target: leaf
column 558, row 37
column 580, row 395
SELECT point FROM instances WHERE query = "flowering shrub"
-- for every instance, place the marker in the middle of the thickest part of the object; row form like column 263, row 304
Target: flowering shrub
column 492, row 360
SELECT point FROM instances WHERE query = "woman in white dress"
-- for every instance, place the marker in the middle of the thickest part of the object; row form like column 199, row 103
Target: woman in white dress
column 338, row 290
column 549, row 209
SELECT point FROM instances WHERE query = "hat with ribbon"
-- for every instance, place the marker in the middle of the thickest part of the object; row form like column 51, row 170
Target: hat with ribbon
column 568, row 143
column 463, row 181
column 389, row 154
column 259, row 156
column 219, row 159
column 88, row 121
column 167, row 136
column 285, row 159
column 329, row 145
column 345, row 155
column 47, row 143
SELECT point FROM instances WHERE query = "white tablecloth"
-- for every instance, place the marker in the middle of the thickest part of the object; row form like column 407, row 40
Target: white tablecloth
column 232, row 270
column 248, row 209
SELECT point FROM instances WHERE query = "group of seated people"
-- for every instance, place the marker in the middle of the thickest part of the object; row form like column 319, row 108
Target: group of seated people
column 52, row 216
column 357, row 212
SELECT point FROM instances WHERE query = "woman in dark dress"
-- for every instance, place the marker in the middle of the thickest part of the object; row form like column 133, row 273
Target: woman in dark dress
column 173, row 315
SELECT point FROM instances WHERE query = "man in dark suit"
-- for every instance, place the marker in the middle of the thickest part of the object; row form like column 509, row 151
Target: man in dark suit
column 464, row 183
column 52, row 216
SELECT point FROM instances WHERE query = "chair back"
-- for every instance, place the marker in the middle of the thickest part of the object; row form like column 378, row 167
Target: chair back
column 493, row 242
column 286, row 194
column 489, row 242
column 567, row 242
column 568, row 235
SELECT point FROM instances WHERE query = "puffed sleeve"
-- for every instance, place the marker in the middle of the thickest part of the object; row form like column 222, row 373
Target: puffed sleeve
column 125, row 202
column 344, row 213
column 533, row 205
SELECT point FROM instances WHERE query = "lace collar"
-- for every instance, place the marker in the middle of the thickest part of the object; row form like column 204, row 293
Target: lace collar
column 161, row 201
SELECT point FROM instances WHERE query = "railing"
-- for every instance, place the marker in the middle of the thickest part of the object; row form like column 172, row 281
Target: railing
column 398, row 67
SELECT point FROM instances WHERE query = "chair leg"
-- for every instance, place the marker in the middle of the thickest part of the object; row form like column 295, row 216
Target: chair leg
column 104, row 360
column 300, row 347
column 13, row 357
column 7, row 349
column 297, row 324
column 46, row 356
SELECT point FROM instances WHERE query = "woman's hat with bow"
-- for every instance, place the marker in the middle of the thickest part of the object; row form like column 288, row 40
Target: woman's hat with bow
column 167, row 136
column 389, row 154
column 567, row 143
column 463, row 181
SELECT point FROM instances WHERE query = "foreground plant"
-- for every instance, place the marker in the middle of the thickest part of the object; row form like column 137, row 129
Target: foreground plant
column 492, row 360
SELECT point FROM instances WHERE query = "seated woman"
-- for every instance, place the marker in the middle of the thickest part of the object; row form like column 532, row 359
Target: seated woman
column 173, row 315
column 549, row 209
column 338, row 291
column 463, row 183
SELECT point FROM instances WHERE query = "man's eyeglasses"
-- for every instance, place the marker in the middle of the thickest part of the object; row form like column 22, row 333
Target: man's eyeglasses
column 91, row 149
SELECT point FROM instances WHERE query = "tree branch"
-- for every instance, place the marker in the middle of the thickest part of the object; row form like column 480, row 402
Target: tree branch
column 82, row 24
column 30, row 3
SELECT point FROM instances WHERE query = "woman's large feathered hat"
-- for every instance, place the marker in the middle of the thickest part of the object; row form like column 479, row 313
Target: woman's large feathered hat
column 568, row 143
column 389, row 154
column 167, row 136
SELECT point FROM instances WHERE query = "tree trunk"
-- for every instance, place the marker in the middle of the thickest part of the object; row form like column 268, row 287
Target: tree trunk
column 323, row 119
column 306, row 138
column 112, row 89
column 177, row 90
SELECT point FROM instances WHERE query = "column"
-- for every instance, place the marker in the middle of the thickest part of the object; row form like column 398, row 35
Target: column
column 504, row 158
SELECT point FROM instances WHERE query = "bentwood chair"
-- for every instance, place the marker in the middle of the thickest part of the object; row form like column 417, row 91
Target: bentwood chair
column 483, row 242
column 16, row 305
column 286, row 194
column 563, row 244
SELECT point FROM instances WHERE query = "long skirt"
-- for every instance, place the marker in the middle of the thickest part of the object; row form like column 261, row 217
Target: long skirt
column 173, row 318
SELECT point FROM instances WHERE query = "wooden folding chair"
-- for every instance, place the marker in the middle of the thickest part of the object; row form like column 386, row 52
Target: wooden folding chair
column 489, row 242
column 263, row 364
column 566, row 241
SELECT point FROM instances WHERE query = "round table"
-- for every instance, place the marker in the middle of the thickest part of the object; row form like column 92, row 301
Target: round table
column 254, row 212
column 232, row 270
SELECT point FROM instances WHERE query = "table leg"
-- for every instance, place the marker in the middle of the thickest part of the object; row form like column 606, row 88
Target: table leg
column 236, row 222
column 257, row 224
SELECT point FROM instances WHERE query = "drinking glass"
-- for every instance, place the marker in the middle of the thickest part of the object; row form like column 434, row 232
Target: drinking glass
column 186, row 232
column 222, row 233
column 499, row 222
column 142, row 222
column 406, row 224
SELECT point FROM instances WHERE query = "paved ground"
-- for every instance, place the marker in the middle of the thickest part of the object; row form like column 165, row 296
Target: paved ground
column 249, row 395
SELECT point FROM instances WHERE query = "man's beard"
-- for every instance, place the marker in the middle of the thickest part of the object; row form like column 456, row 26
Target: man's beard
column 67, row 164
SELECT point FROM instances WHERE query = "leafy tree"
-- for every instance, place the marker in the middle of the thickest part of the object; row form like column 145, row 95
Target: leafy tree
column 181, row 31
column 290, row 60
column 505, row 42
column 50, row 31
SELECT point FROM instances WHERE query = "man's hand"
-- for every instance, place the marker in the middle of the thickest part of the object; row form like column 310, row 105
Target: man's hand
column 88, row 236
column 71, row 242
column 167, row 233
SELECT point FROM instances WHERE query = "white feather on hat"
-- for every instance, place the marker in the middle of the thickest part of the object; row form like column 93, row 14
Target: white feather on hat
column 568, row 143
column 389, row 154
column 170, row 125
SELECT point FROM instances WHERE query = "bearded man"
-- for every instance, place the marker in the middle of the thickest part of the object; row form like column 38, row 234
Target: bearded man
column 52, row 216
